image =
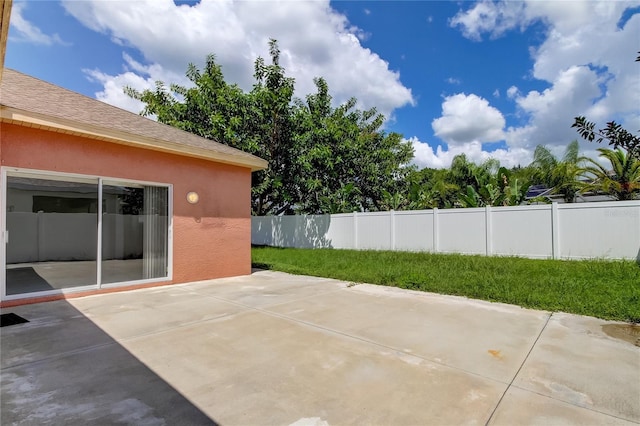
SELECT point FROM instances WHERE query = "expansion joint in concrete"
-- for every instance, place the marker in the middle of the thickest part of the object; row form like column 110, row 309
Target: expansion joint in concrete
column 535, row 342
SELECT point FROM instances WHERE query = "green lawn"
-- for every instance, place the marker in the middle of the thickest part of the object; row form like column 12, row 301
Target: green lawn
column 603, row 289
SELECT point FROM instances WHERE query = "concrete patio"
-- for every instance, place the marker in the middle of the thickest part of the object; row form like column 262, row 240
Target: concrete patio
column 274, row 348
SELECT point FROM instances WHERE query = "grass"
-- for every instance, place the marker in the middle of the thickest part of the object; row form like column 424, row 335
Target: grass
column 604, row 289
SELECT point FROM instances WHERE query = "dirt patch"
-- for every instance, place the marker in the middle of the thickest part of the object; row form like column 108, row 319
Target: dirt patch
column 627, row 332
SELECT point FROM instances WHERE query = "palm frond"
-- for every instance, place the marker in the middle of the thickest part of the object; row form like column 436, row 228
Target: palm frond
column 571, row 153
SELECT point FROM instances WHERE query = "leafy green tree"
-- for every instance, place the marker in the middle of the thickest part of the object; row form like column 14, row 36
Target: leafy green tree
column 320, row 158
column 345, row 146
column 342, row 201
column 622, row 181
column 560, row 174
column 273, row 190
column 431, row 188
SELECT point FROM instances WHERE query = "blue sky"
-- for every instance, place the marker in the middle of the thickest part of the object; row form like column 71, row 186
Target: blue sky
column 488, row 79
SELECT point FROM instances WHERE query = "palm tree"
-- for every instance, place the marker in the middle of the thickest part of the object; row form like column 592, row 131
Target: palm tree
column 622, row 181
column 560, row 175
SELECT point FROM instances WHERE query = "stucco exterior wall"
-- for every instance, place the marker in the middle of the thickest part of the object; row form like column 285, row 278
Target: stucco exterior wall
column 211, row 239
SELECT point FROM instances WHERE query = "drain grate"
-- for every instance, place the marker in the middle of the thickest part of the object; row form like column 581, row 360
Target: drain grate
column 11, row 319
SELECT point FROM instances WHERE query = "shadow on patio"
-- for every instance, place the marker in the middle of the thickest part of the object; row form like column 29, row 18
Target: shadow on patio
column 61, row 368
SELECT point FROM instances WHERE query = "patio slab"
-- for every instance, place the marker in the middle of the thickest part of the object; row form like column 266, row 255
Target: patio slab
column 470, row 335
column 285, row 371
column 275, row 348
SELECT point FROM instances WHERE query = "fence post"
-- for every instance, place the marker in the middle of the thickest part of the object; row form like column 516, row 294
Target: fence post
column 488, row 230
column 435, row 231
column 355, row 230
column 39, row 236
column 555, row 231
column 392, row 227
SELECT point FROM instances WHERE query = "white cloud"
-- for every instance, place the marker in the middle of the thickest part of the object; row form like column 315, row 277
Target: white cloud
column 28, row 32
column 314, row 40
column 489, row 17
column 136, row 76
column 453, row 80
column 426, row 156
column 468, row 118
column 586, row 60
column 550, row 112
column 466, row 123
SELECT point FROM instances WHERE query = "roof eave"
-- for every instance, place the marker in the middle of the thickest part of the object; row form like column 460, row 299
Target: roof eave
column 34, row 120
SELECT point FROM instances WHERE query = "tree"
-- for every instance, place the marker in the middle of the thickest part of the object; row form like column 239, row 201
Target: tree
column 320, row 158
column 560, row 175
column 344, row 153
column 273, row 190
column 431, row 188
column 622, row 181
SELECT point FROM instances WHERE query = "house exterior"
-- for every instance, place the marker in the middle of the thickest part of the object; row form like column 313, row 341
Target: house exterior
column 94, row 198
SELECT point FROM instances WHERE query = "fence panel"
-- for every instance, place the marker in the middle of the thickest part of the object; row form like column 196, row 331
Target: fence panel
column 311, row 231
column 523, row 231
column 262, row 230
column 414, row 230
column 462, row 231
column 341, row 232
column 606, row 230
column 374, row 231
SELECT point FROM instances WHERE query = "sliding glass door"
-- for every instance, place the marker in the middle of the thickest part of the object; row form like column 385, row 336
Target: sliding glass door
column 51, row 224
column 134, row 232
column 56, row 236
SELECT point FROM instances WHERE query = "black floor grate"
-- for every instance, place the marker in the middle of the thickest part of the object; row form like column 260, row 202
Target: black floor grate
column 11, row 319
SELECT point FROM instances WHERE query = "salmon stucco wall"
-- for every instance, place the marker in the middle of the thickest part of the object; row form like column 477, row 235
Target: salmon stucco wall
column 211, row 239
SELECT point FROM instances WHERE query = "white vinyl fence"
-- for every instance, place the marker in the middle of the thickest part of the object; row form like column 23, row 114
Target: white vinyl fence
column 608, row 230
column 40, row 237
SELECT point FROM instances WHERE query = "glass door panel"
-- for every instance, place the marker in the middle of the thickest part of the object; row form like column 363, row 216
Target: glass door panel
column 134, row 232
column 52, row 224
